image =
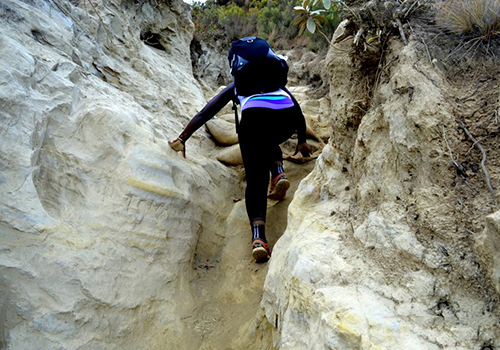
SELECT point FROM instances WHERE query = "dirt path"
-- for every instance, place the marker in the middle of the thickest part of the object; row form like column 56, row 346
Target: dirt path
column 228, row 286
column 227, row 283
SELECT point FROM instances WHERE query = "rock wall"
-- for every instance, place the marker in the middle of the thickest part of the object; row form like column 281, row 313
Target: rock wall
column 98, row 224
column 109, row 239
column 377, row 254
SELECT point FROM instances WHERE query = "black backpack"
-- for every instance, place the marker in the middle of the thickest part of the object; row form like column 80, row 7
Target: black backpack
column 255, row 67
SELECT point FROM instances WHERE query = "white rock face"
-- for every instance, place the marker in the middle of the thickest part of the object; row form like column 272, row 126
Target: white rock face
column 371, row 258
column 108, row 238
column 211, row 66
column 98, row 227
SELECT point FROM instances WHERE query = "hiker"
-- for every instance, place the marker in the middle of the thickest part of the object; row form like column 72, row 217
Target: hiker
column 267, row 119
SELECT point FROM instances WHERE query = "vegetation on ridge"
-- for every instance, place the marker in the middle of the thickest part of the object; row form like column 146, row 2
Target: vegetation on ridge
column 270, row 19
column 477, row 22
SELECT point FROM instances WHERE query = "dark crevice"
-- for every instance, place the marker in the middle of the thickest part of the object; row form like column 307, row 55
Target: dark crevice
column 153, row 40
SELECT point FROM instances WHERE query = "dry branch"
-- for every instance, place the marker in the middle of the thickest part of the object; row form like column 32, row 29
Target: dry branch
column 458, row 167
column 399, row 25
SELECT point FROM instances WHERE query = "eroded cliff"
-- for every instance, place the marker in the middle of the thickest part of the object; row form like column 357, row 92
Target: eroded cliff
column 391, row 253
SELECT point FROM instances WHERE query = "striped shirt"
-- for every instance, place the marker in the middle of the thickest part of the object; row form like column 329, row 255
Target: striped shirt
column 278, row 99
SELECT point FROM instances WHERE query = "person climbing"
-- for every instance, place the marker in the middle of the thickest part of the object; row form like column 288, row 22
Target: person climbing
column 270, row 115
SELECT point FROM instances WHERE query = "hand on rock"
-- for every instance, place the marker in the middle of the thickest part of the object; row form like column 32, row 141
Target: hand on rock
column 178, row 145
column 304, row 149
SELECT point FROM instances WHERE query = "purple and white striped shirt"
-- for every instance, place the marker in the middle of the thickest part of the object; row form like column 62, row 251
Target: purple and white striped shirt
column 278, row 99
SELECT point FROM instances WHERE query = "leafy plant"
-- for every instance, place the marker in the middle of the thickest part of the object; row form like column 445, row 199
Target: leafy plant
column 313, row 18
column 310, row 19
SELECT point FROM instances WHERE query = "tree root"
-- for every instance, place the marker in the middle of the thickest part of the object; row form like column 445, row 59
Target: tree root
column 483, row 162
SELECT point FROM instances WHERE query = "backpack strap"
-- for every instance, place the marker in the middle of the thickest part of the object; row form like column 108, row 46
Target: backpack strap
column 235, row 109
column 236, row 119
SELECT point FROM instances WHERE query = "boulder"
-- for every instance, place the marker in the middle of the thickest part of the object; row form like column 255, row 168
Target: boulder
column 224, row 132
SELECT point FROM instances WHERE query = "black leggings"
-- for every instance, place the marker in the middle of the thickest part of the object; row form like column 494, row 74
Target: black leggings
column 260, row 133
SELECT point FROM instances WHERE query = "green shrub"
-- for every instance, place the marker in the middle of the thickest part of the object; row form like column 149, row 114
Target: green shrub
column 270, row 19
column 206, row 20
column 236, row 22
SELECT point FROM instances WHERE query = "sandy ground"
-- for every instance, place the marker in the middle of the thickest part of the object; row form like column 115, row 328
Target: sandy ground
column 228, row 285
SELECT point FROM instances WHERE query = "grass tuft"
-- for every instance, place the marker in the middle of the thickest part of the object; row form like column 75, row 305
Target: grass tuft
column 479, row 19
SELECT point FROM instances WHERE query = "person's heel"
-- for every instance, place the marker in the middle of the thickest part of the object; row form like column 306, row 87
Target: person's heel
column 260, row 251
column 279, row 187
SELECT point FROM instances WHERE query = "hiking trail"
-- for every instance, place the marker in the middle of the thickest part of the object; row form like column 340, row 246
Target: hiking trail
column 227, row 283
